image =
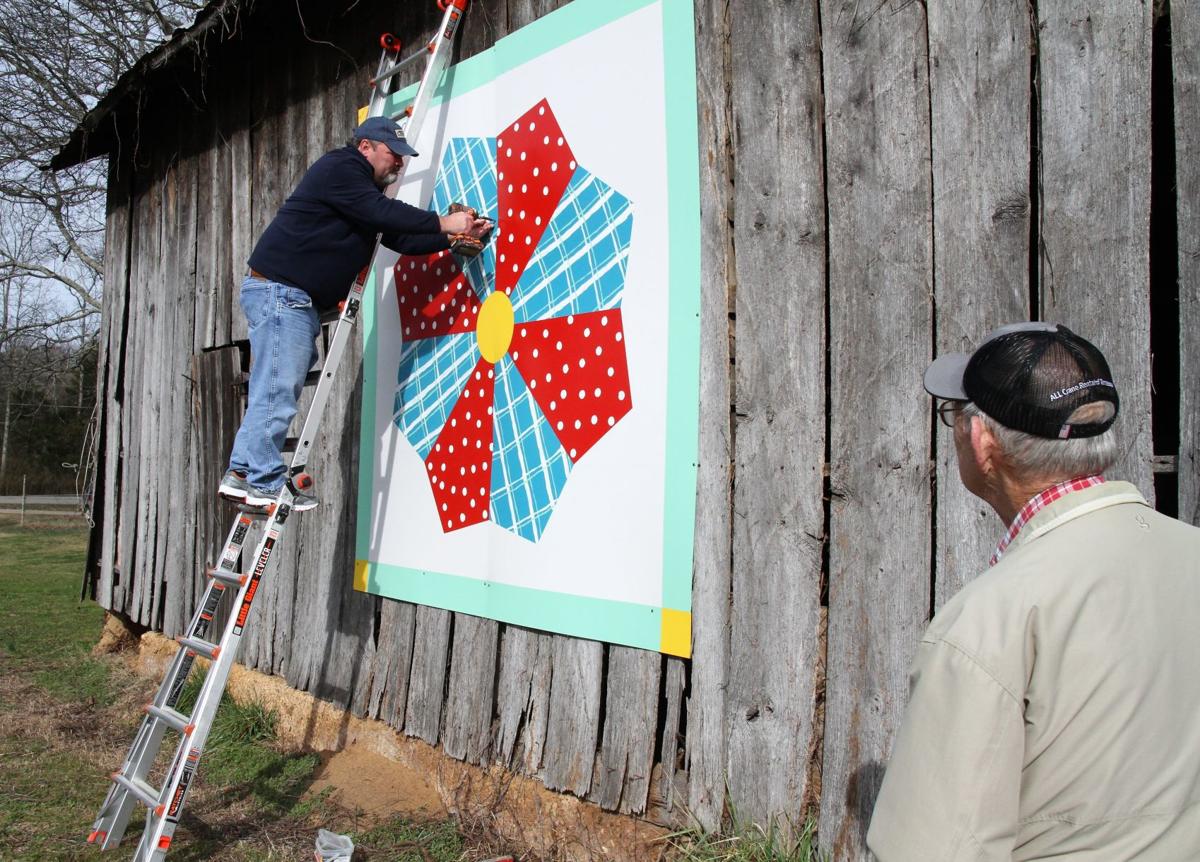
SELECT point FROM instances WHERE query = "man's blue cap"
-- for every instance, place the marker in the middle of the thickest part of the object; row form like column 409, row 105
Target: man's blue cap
column 385, row 131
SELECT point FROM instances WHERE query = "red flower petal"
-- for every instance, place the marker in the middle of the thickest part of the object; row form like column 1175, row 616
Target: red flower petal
column 575, row 367
column 459, row 464
column 435, row 298
column 534, row 164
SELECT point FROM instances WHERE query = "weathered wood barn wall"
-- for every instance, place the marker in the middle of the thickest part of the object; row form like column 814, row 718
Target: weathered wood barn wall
column 881, row 182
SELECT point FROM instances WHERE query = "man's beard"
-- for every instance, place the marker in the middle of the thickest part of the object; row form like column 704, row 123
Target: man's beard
column 387, row 179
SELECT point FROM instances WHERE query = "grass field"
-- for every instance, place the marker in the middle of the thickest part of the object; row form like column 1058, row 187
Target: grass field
column 67, row 717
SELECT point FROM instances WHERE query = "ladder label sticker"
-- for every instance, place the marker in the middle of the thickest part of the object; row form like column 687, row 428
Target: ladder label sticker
column 185, row 778
column 259, row 568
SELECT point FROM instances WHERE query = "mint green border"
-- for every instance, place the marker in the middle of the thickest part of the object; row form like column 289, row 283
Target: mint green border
column 616, row 622
column 598, row 619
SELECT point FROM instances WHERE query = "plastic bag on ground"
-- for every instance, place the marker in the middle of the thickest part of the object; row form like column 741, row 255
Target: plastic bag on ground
column 332, row 847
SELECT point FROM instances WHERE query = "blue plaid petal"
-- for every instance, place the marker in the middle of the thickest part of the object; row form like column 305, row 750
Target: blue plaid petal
column 579, row 265
column 529, row 466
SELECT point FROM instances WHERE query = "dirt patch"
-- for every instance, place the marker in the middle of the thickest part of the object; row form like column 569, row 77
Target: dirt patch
column 118, row 635
column 375, row 787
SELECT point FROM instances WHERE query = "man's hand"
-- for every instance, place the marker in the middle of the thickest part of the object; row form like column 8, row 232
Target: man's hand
column 459, row 222
column 477, row 228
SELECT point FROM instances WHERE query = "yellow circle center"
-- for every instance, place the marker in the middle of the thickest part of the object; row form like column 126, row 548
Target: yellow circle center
column 495, row 327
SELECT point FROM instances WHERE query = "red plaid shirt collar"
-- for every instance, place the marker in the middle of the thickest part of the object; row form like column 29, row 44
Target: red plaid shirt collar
column 1039, row 502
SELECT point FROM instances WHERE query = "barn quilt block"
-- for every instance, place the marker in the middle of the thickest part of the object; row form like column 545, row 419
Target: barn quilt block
column 514, row 365
column 529, row 422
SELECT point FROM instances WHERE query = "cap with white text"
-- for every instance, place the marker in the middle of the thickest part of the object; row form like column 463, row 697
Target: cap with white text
column 1032, row 377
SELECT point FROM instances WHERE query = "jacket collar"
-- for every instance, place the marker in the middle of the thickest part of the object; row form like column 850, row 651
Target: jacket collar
column 1074, row 505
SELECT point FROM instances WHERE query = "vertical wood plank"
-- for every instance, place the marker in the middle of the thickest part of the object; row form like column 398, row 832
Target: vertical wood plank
column 179, row 508
column 162, row 475
column 1185, row 57
column 486, row 22
column 427, row 682
column 392, row 662
column 522, row 698
column 117, row 262
column 522, row 12
column 706, row 727
column 880, row 273
column 144, row 393
column 216, row 414
column 672, row 738
column 574, row 716
column 979, row 96
column 469, row 691
column 779, row 405
column 215, row 226
column 243, row 230
column 124, row 558
column 1095, row 274
column 626, row 757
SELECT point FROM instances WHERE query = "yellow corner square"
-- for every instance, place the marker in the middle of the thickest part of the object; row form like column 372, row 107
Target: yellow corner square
column 362, row 113
column 676, row 633
column 361, row 568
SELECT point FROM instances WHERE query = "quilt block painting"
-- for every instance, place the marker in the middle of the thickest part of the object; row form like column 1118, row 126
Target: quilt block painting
column 529, row 414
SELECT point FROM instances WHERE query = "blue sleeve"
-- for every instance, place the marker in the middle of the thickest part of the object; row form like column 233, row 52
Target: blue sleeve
column 350, row 190
column 416, row 243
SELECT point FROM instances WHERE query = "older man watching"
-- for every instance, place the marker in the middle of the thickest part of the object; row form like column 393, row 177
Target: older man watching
column 1055, row 701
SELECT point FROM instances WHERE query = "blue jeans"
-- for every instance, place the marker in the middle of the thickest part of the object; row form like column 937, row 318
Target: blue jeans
column 283, row 326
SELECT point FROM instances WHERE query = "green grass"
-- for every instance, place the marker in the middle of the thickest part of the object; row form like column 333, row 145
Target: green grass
column 42, row 622
column 239, row 758
column 397, row 841
column 66, row 719
column 748, row 842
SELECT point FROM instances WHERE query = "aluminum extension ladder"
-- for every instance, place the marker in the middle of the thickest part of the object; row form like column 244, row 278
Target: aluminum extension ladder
column 130, row 786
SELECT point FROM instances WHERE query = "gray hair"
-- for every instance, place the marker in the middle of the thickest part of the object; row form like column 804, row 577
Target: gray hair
column 1046, row 458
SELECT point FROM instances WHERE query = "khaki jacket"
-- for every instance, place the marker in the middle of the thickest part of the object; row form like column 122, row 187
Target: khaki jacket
column 1055, row 701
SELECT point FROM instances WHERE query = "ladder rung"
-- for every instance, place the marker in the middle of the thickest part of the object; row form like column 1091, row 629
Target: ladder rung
column 290, row 444
column 146, row 794
column 399, row 65
column 202, row 647
column 257, row 512
column 170, row 717
column 233, row 579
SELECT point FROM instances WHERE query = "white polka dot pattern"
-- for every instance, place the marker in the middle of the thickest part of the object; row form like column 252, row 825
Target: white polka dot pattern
column 434, row 296
column 583, row 379
column 529, row 191
column 459, row 464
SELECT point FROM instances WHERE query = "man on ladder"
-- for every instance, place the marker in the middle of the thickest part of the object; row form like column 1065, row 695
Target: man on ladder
column 303, row 264
column 326, row 232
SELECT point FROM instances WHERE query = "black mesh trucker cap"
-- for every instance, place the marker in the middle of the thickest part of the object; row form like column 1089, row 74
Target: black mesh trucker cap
column 1029, row 377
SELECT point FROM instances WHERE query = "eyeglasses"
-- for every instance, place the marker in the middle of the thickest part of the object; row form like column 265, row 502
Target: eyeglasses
column 948, row 411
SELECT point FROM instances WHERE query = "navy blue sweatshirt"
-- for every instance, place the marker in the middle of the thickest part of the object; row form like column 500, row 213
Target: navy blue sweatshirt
column 323, row 235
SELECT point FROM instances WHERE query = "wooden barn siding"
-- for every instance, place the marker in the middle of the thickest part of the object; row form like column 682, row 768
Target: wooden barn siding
column 866, row 204
column 1094, row 63
column 880, row 282
column 1185, row 57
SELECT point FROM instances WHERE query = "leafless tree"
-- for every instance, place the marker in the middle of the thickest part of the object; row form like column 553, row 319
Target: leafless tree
column 57, row 60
